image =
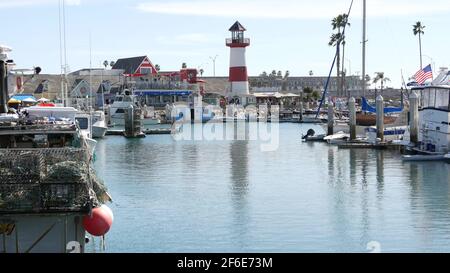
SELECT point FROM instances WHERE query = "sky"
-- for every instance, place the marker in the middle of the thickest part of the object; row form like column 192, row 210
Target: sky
column 285, row 34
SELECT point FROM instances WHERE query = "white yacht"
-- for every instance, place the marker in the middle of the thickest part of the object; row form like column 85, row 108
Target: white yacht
column 434, row 120
column 122, row 103
column 99, row 126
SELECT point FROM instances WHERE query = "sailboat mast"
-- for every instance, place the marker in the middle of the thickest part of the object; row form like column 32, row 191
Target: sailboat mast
column 364, row 41
column 61, row 52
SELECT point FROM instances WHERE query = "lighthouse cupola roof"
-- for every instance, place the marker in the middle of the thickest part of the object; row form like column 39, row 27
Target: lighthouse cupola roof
column 237, row 27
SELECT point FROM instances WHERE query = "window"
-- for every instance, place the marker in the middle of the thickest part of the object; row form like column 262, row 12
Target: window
column 442, row 98
column 83, row 123
column 146, row 71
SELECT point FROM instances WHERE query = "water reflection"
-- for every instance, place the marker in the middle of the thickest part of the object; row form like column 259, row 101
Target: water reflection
column 380, row 173
column 429, row 191
column 239, row 160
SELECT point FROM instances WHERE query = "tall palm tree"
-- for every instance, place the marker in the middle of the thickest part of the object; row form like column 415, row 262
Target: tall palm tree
column 157, row 67
column 337, row 39
column 418, row 29
column 106, row 63
column 380, row 77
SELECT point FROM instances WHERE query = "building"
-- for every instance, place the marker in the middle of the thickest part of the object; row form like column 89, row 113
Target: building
column 136, row 66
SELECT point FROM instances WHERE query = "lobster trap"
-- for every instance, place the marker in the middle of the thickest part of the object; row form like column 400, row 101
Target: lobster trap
column 47, row 180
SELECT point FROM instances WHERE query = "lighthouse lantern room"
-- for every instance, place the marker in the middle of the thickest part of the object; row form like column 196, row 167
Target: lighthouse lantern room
column 239, row 87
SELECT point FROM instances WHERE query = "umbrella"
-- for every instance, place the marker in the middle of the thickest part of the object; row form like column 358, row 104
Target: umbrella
column 14, row 101
column 46, row 105
column 43, row 100
column 29, row 100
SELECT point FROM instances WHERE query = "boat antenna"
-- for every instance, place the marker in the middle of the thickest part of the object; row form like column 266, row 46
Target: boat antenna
column 332, row 66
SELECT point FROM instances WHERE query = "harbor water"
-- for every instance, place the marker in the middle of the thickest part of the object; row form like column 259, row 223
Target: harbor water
column 232, row 196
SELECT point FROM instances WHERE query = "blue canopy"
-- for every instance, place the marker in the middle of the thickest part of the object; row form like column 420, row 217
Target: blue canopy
column 22, row 97
column 162, row 92
column 366, row 107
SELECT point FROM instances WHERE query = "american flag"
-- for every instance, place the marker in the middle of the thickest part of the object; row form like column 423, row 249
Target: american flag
column 424, row 74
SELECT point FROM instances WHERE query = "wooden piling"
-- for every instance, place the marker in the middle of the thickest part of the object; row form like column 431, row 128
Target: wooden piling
column 380, row 118
column 330, row 118
column 352, row 109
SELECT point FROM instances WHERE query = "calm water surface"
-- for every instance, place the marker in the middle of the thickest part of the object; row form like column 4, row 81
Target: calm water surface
column 230, row 196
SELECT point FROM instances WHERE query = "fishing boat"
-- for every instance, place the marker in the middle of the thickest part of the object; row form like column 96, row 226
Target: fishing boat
column 50, row 196
column 434, row 123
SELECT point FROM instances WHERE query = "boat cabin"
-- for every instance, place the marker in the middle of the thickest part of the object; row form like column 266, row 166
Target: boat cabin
column 434, row 119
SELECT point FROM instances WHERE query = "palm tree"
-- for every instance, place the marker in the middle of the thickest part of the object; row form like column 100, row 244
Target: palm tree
column 157, row 68
column 380, row 77
column 112, row 63
column 201, row 72
column 339, row 23
column 105, row 63
column 183, row 65
column 418, row 29
column 335, row 41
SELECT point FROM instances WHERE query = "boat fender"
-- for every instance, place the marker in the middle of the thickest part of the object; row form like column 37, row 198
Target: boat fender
column 99, row 222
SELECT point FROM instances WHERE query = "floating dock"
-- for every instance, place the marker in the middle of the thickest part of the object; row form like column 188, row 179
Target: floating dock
column 120, row 132
column 365, row 145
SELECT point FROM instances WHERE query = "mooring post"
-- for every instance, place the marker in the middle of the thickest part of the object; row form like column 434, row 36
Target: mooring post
column 380, row 118
column 301, row 106
column 414, row 118
column 108, row 115
column 352, row 110
column 330, row 118
column 129, row 121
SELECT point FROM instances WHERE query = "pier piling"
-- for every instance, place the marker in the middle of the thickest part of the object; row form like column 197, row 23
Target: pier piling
column 380, row 118
column 108, row 115
column 414, row 118
column 352, row 110
column 301, row 106
column 133, row 122
column 330, row 118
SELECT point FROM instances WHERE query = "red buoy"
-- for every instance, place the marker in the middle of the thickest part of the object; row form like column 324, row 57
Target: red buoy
column 99, row 223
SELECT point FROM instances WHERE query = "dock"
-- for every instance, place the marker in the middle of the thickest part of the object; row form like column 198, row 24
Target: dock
column 365, row 145
column 120, row 132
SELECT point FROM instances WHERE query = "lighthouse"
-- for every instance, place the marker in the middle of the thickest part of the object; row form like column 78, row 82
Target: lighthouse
column 238, row 68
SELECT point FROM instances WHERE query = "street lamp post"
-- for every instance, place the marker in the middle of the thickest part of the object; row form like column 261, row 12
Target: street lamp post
column 214, row 64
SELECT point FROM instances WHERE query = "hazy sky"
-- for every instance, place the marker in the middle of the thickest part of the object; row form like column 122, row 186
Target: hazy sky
column 285, row 34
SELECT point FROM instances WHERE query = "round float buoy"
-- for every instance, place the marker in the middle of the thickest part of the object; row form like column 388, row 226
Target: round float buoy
column 99, row 223
column 109, row 211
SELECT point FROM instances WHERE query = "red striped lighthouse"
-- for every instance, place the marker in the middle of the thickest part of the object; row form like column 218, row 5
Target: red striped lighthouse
column 238, row 67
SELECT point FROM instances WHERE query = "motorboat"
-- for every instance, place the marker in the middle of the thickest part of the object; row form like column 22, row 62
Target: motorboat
column 390, row 133
column 99, row 127
column 122, row 103
column 54, row 114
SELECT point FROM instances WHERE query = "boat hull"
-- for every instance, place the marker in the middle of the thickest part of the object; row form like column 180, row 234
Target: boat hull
column 371, row 120
column 99, row 131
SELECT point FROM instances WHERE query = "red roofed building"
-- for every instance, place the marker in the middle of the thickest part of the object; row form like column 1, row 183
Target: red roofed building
column 136, row 66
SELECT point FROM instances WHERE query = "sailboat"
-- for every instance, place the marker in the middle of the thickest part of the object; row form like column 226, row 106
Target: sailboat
column 368, row 115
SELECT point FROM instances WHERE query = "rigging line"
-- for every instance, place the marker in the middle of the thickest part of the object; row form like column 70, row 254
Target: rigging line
column 64, row 32
column 60, row 38
column 332, row 66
